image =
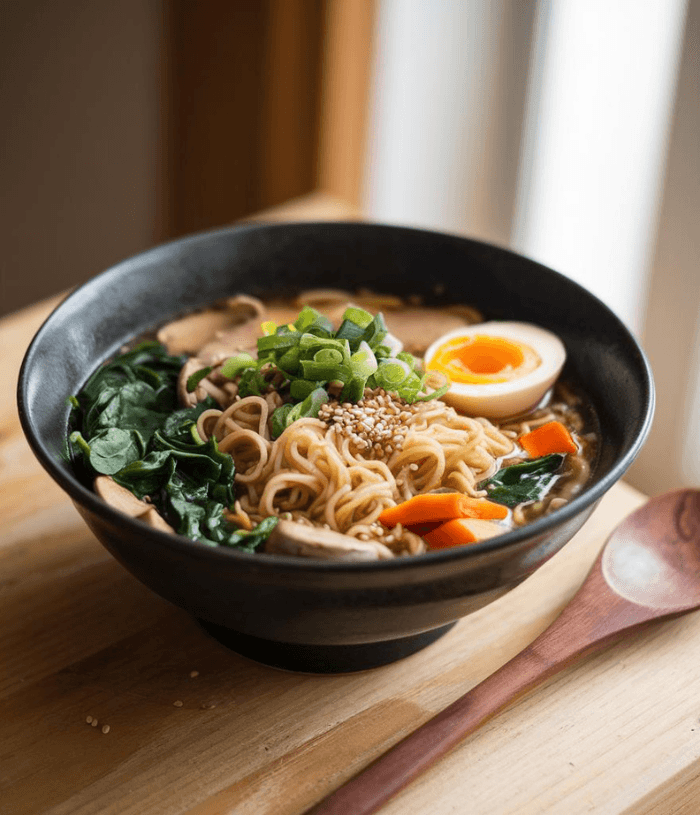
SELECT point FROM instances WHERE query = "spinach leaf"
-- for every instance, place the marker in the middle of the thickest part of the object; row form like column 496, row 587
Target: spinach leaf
column 178, row 425
column 128, row 426
column 147, row 476
column 528, row 481
column 112, row 449
column 249, row 541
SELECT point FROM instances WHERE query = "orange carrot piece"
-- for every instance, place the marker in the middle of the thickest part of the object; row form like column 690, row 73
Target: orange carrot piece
column 447, row 535
column 437, row 507
column 486, row 510
column 552, row 437
column 462, row 531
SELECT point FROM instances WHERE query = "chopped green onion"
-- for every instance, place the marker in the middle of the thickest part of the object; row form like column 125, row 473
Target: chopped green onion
column 350, row 331
column 311, row 320
column 328, row 356
column 436, row 394
column 312, row 404
column 411, row 387
column 391, row 373
column 196, row 378
column 279, row 420
column 278, row 342
column 353, row 391
column 409, row 359
column 358, row 316
column 234, row 365
column 301, row 388
column 323, row 372
column 383, row 352
column 289, row 361
column 363, row 363
column 310, row 342
column 306, row 317
column 375, row 331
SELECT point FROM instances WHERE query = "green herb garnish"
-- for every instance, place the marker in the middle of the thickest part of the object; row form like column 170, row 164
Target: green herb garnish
column 524, row 482
column 197, row 377
column 311, row 357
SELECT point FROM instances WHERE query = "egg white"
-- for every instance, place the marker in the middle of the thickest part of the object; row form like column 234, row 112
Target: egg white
column 498, row 400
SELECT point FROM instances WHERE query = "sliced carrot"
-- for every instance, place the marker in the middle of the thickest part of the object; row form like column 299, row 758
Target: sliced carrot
column 462, row 531
column 439, row 507
column 552, row 437
column 436, row 506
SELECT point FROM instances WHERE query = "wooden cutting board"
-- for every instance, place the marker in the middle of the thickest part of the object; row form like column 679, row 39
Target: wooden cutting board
column 193, row 728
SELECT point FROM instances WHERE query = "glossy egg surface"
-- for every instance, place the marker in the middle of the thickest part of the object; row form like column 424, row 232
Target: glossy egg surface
column 497, row 369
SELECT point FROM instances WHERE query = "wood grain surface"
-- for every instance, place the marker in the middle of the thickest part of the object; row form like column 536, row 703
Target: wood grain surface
column 194, row 728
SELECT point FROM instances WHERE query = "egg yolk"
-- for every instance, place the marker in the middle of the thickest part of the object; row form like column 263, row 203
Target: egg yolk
column 482, row 359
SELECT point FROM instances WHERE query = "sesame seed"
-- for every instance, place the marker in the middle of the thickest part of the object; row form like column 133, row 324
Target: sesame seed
column 105, row 728
column 89, row 720
column 93, row 723
column 178, row 703
column 193, row 674
column 207, row 706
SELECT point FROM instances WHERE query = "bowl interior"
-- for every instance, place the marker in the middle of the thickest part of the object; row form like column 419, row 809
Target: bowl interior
column 141, row 293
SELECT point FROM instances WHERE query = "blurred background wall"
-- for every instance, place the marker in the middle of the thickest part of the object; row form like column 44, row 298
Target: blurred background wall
column 566, row 129
column 125, row 124
column 81, row 130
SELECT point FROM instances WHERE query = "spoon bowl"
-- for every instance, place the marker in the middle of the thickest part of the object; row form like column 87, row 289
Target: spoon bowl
column 653, row 557
column 648, row 570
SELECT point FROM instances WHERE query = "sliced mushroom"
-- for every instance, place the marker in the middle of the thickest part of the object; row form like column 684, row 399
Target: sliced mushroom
column 155, row 519
column 468, row 313
column 418, row 328
column 291, row 538
column 322, row 298
column 119, row 497
column 282, row 314
column 225, row 344
column 189, row 334
column 378, row 302
column 243, row 308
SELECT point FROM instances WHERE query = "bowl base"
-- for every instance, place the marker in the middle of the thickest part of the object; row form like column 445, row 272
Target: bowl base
column 322, row 659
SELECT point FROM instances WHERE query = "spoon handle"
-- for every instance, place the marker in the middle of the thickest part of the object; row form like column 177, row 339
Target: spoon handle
column 366, row 792
column 580, row 628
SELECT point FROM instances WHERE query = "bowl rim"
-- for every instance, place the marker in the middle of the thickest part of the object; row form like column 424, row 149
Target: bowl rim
column 83, row 496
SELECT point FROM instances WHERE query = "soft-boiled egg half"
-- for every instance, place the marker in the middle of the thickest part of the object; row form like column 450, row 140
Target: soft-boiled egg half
column 497, row 369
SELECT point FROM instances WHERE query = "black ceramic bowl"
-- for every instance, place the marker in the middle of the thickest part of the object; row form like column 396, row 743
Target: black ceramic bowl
column 298, row 613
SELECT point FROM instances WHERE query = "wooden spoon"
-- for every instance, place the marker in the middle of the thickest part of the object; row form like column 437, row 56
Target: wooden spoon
column 649, row 570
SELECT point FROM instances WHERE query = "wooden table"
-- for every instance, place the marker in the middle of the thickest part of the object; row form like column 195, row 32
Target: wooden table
column 196, row 729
